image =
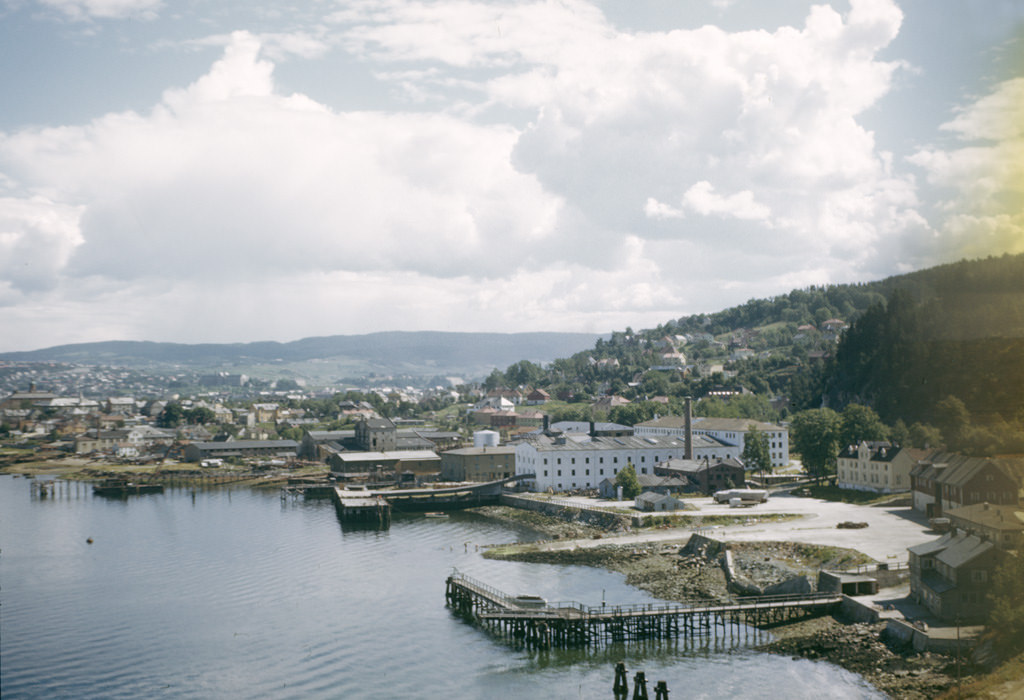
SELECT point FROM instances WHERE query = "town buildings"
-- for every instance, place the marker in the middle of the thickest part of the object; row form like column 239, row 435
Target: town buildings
column 730, row 432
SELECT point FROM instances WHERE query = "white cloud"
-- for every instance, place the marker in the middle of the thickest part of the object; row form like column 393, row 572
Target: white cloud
column 982, row 178
column 37, row 237
column 571, row 175
column 703, row 199
column 228, row 177
column 105, row 9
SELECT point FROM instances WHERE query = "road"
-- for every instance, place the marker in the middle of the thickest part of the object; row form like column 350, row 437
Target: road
column 889, row 532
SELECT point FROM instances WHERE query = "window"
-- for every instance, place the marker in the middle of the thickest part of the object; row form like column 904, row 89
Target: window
column 559, row 472
column 545, row 472
column 588, row 472
column 559, row 460
column 616, row 461
column 545, row 460
column 574, row 460
column 573, row 474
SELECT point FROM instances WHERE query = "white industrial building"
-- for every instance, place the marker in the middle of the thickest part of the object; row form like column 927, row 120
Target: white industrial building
column 563, row 462
column 730, row 431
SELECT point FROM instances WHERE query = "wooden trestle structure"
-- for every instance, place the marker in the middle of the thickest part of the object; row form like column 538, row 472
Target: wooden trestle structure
column 570, row 624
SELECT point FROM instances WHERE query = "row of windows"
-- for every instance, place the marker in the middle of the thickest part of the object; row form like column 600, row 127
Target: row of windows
column 600, row 473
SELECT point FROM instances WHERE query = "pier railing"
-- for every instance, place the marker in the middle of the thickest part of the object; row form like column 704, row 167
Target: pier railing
column 575, row 608
column 570, row 623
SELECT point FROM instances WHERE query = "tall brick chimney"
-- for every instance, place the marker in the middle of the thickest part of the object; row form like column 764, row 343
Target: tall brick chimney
column 689, row 429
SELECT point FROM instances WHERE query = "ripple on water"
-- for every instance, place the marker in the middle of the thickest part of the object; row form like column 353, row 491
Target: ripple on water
column 240, row 594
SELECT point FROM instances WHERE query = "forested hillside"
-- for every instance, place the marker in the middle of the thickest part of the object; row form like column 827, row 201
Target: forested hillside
column 946, row 349
column 940, row 348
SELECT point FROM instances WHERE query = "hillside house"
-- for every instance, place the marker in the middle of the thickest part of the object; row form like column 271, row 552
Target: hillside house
column 880, row 467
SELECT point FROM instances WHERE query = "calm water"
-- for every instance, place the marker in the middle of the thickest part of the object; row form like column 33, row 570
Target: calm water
column 240, row 594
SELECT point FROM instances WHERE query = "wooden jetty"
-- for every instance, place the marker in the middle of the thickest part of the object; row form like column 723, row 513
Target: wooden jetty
column 362, row 507
column 571, row 624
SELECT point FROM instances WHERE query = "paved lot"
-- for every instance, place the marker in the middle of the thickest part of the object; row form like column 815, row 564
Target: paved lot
column 889, row 532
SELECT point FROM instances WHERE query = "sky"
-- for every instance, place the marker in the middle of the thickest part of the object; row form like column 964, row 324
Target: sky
column 232, row 171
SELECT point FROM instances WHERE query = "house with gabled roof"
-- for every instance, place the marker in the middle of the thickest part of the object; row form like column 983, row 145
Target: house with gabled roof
column 951, row 576
column 651, row 502
column 537, row 397
column 875, row 466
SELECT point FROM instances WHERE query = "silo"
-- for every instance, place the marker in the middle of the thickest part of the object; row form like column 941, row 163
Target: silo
column 485, row 438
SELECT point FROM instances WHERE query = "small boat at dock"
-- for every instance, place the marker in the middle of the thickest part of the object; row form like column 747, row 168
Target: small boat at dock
column 437, row 515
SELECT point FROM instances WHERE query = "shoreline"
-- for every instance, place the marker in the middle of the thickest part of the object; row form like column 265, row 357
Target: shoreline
column 670, row 571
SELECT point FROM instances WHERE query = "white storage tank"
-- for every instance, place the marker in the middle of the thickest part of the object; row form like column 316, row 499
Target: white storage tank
column 485, row 438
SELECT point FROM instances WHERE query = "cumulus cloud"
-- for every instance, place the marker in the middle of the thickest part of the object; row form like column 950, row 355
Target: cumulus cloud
column 570, row 175
column 37, row 237
column 981, row 177
column 228, row 177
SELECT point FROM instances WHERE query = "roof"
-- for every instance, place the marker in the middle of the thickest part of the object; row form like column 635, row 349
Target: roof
column 991, row 516
column 403, row 455
column 965, row 470
column 379, row 423
column 964, row 549
column 330, row 435
column 735, row 425
column 879, row 451
column 653, row 497
column 954, row 549
column 932, row 546
column 576, row 442
column 696, row 466
column 471, row 451
column 582, row 426
column 246, row 444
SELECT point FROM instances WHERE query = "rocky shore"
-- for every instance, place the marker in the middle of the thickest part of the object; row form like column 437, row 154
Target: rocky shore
column 675, row 571
column 888, row 665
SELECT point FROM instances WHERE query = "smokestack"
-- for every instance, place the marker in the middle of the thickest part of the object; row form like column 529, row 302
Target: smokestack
column 547, row 423
column 689, row 429
column 592, row 429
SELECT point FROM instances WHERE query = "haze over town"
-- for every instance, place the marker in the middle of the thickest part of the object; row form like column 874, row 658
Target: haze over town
column 196, row 174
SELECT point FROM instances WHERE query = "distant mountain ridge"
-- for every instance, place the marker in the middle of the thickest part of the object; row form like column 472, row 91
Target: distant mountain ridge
column 387, row 351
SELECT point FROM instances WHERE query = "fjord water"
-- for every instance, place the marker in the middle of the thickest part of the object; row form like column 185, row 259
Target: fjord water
column 237, row 593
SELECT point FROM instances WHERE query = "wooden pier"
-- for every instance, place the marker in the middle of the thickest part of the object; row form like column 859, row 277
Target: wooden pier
column 362, row 507
column 570, row 624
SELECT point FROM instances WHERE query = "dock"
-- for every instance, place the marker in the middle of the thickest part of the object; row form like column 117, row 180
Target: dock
column 571, row 624
column 362, row 507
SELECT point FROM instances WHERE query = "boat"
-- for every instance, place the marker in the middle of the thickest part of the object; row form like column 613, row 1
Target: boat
column 437, row 515
column 124, row 487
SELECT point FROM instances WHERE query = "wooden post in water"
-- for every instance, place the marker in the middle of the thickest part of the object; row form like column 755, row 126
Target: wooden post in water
column 661, row 691
column 640, row 686
column 621, row 686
